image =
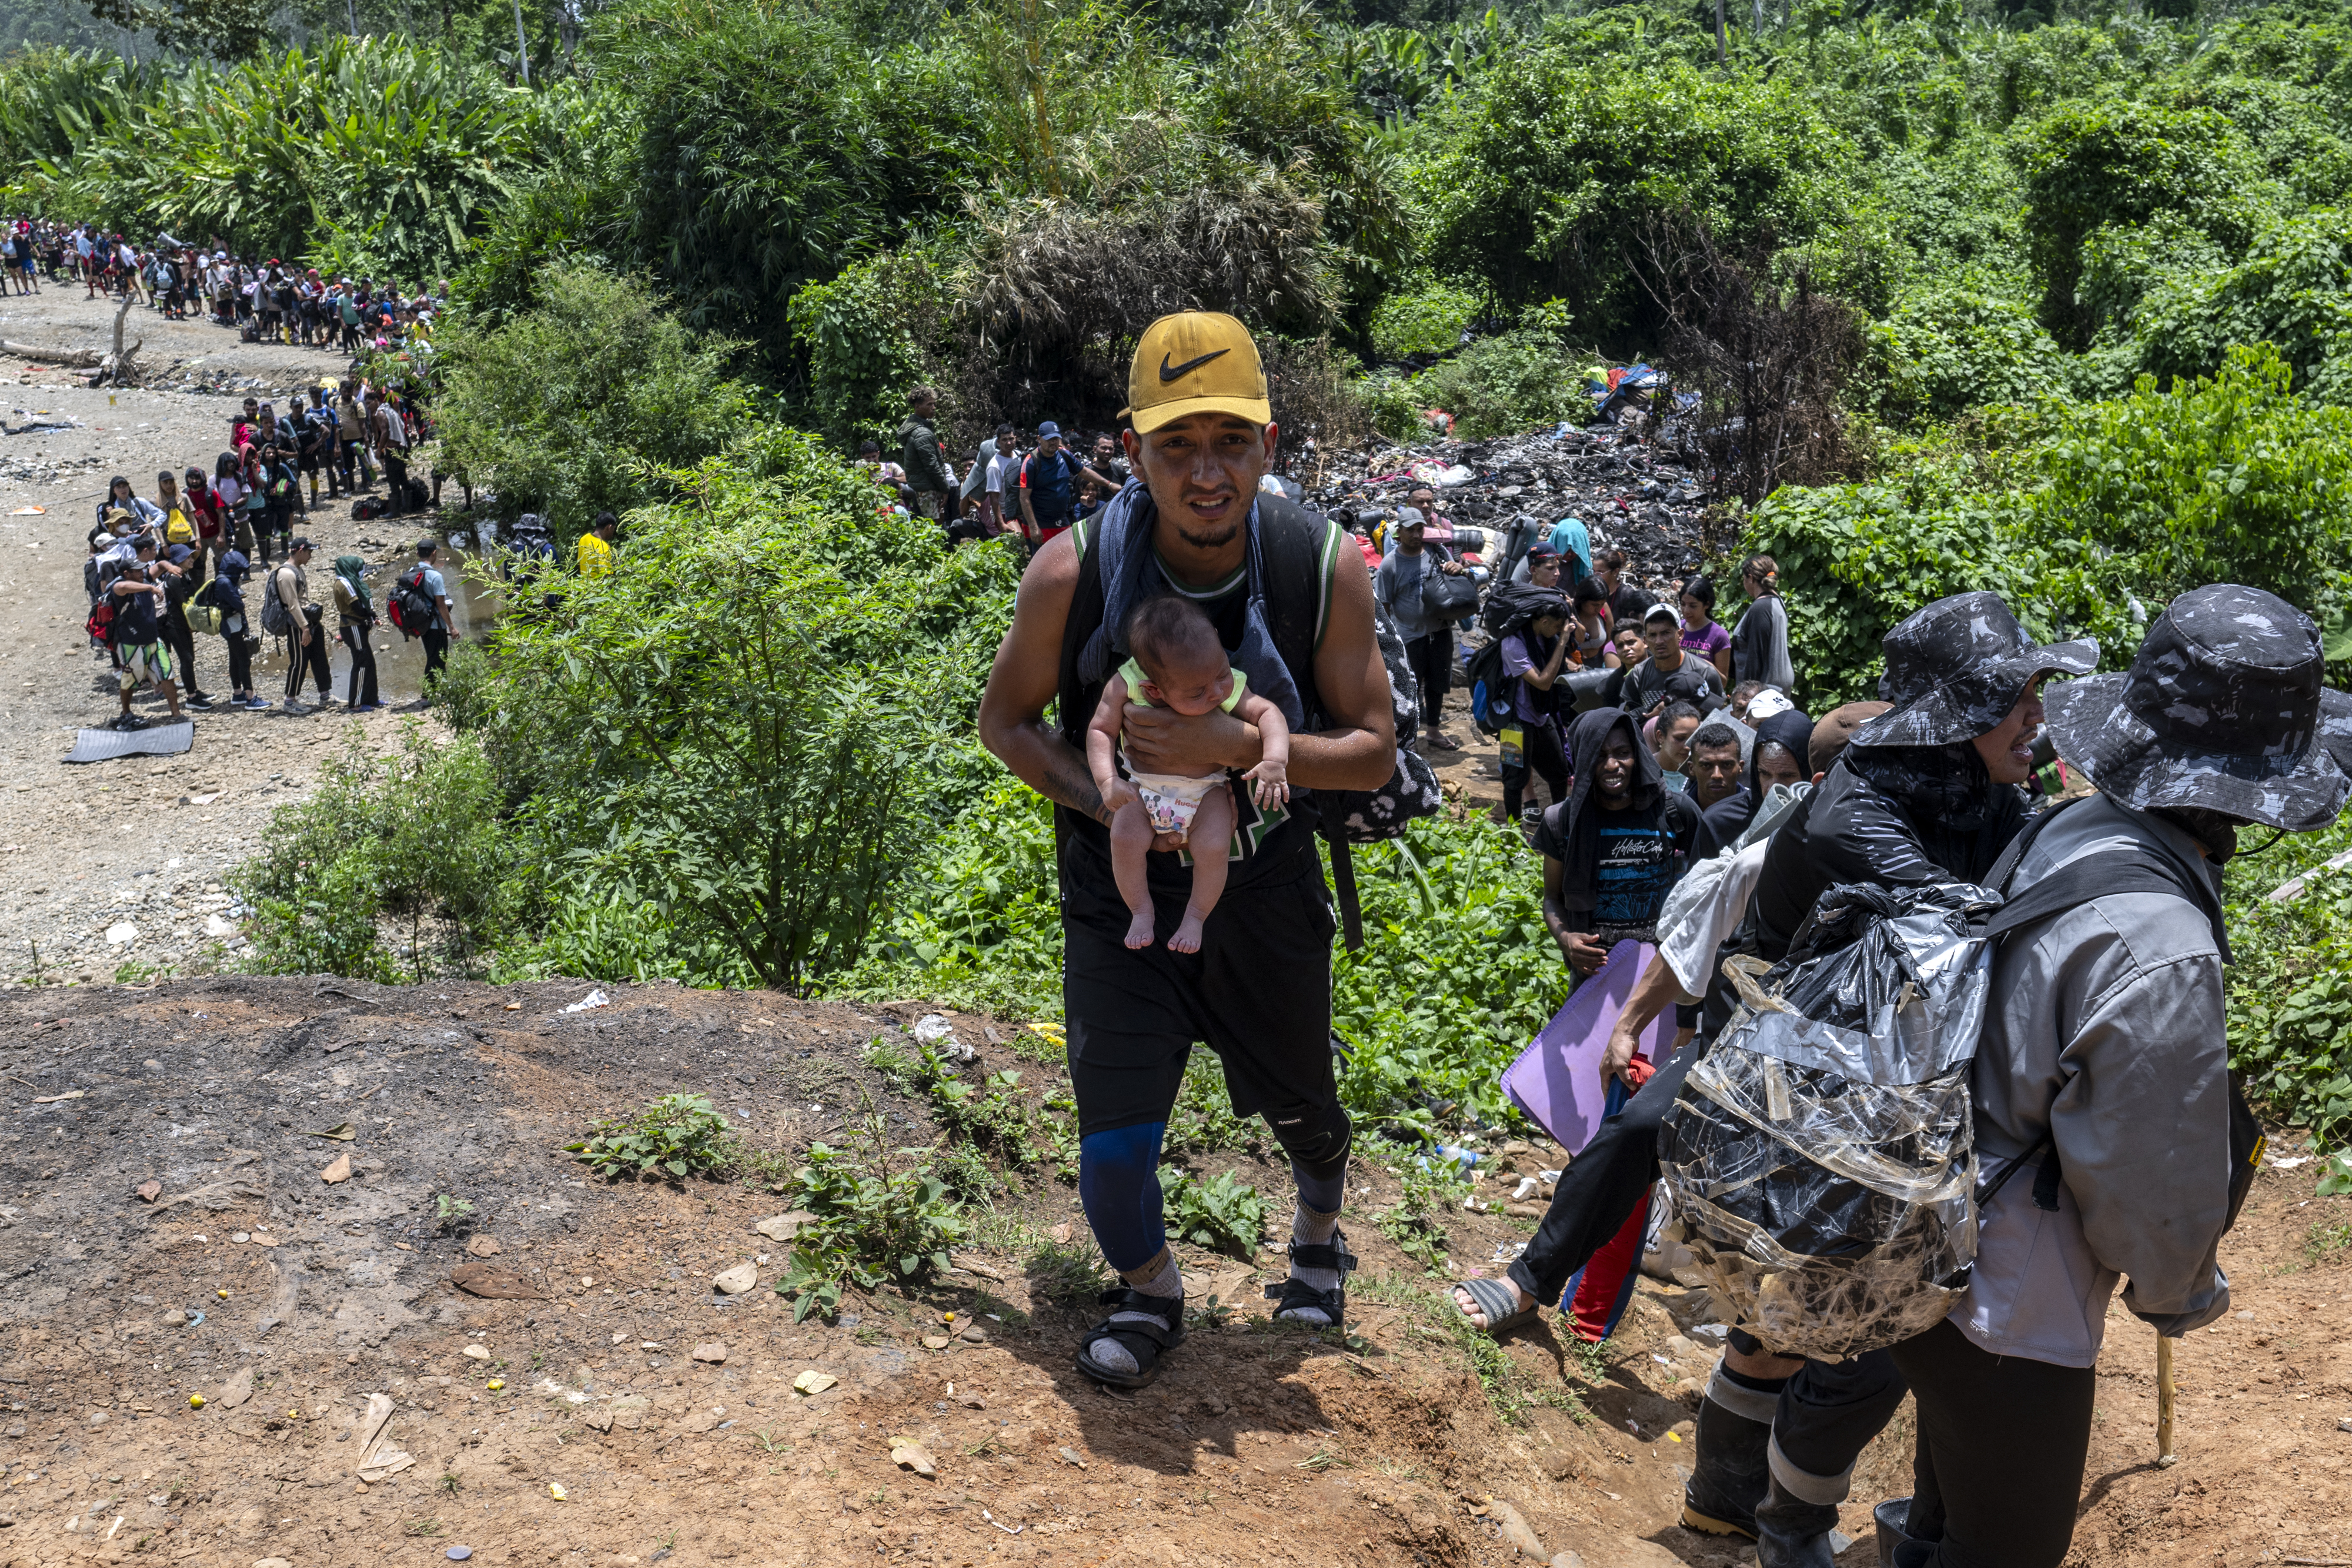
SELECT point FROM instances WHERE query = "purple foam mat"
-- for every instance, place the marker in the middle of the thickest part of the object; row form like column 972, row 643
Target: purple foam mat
column 1557, row 1080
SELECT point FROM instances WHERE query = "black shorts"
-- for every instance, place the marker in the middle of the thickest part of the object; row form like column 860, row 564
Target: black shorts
column 309, row 461
column 1258, row 993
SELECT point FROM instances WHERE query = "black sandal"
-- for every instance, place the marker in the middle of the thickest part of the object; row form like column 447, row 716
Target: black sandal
column 1294, row 1293
column 1146, row 1342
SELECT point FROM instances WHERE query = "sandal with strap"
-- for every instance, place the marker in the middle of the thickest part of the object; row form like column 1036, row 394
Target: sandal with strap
column 1294, row 1293
column 1495, row 1300
column 1146, row 1342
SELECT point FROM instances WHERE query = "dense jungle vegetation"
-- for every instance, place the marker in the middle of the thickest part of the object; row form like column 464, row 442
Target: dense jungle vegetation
column 2070, row 284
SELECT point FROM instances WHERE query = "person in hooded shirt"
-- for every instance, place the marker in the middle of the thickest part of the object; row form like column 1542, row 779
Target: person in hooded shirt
column 1614, row 846
column 1926, row 792
column 226, row 594
column 1776, row 756
column 1611, row 851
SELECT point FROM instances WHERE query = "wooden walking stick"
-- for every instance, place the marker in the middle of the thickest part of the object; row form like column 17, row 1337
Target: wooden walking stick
column 2164, row 1454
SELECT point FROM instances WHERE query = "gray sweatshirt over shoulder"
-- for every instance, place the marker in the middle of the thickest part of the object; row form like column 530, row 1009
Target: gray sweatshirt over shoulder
column 2105, row 1028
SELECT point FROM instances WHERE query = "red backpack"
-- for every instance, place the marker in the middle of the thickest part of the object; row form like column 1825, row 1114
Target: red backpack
column 408, row 605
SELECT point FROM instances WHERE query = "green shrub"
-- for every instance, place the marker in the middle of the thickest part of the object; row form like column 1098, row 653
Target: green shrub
column 676, row 1135
column 415, row 143
column 1218, row 1212
column 1426, row 319
column 1505, row 385
column 1394, row 405
column 2290, row 1002
column 755, row 722
column 974, row 922
column 2111, row 160
column 558, row 407
column 858, row 330
column 2088, row 518
column 874, row 1224
column 1949, row 350
column 1540, row 180
column 392, row 868
column 773, row 145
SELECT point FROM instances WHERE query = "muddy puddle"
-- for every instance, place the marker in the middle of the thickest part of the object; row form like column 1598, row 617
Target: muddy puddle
column 399, row 661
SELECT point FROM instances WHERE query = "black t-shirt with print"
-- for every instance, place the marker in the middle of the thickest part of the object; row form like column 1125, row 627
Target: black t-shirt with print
column 1641, row 854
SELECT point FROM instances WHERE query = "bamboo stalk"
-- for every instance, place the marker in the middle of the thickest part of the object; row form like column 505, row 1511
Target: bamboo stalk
column 2164, row 1454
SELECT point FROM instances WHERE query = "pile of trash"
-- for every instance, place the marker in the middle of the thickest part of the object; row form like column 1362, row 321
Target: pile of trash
column 1640, row 495
column 196, row 376
column 38, row 470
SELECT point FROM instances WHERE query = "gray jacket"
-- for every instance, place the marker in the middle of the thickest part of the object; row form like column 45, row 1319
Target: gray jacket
column 1759, row 644
column 2106, row 1028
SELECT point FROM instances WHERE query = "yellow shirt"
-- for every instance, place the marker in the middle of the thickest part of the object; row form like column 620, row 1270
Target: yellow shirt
column 596, row 557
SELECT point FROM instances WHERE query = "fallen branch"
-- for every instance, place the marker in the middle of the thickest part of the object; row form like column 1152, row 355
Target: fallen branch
column 84, row 358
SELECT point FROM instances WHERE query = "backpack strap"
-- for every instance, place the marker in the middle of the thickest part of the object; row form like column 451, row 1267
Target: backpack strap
column 1301, row 551
column 2004, row 865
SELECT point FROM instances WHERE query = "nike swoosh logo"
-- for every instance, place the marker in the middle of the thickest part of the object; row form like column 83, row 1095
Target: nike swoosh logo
column 1168, row 373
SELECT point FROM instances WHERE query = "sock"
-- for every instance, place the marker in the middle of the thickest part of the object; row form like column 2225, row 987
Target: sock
column 1309, row 1227
column 1160, row 1277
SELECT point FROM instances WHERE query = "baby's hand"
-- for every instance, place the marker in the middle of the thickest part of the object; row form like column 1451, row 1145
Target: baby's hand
column 1120, row 795
column 1269, row 783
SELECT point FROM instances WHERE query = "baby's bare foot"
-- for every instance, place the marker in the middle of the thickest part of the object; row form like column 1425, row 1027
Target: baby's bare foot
column 1187, row 934
column 1140, row 930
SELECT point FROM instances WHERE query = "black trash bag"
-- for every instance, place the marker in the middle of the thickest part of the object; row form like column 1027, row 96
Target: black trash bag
column 1821, row 1156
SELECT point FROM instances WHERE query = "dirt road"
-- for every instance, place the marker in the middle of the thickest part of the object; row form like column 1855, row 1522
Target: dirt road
column 573, row 1421
column 138, row 847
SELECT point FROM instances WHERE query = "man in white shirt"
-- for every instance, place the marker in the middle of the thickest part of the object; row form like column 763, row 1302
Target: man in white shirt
column 388, row 437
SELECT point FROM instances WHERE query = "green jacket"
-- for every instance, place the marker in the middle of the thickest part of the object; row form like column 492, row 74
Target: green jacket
column 923, row 457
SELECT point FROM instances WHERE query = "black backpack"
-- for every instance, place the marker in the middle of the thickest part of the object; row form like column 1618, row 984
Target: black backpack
column 412, row 610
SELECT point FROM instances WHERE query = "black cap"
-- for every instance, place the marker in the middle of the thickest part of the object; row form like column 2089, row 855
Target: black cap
column 1956, row 668
column 2223, row 708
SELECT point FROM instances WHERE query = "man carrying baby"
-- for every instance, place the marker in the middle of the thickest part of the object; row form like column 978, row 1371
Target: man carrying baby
column 1293, row 611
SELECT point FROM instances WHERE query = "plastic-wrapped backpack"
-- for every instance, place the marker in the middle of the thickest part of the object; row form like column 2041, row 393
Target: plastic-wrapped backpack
column 1821, row 1156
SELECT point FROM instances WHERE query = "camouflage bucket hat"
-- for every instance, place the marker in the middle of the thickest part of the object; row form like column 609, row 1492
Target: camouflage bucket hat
column 1956, row 668
column 2222, row 709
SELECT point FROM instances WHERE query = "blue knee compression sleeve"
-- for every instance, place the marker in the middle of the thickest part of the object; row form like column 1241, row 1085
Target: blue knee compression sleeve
column 1118, row 1183
column 1323, row 1194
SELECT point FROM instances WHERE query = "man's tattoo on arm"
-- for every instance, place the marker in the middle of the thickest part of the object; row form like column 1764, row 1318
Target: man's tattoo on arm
column 1073, row 785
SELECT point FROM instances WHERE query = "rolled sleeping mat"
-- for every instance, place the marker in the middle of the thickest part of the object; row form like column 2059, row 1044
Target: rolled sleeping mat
column 1584, row 687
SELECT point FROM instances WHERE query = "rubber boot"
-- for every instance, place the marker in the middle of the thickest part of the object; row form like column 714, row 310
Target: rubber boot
column 1893, row 1518
column 1793, row 1534
column 1730, row 1473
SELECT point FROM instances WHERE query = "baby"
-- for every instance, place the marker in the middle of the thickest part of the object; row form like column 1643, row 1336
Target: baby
column 1180, row 666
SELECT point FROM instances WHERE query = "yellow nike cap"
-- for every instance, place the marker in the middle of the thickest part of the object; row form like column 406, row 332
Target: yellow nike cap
column 1195, row 362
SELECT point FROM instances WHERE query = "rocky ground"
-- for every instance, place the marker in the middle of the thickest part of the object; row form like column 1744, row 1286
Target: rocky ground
column 118, row 867
column 572, row 1421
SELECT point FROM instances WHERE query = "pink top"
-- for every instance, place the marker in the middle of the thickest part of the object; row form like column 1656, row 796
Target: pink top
column 1706, row 643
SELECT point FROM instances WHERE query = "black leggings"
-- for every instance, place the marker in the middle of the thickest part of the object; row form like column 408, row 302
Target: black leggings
column 1601, row 1185
column 183, row 643
column 356, row 638
column 240, row 663
column 2002, row 1444
column 1542, row 752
